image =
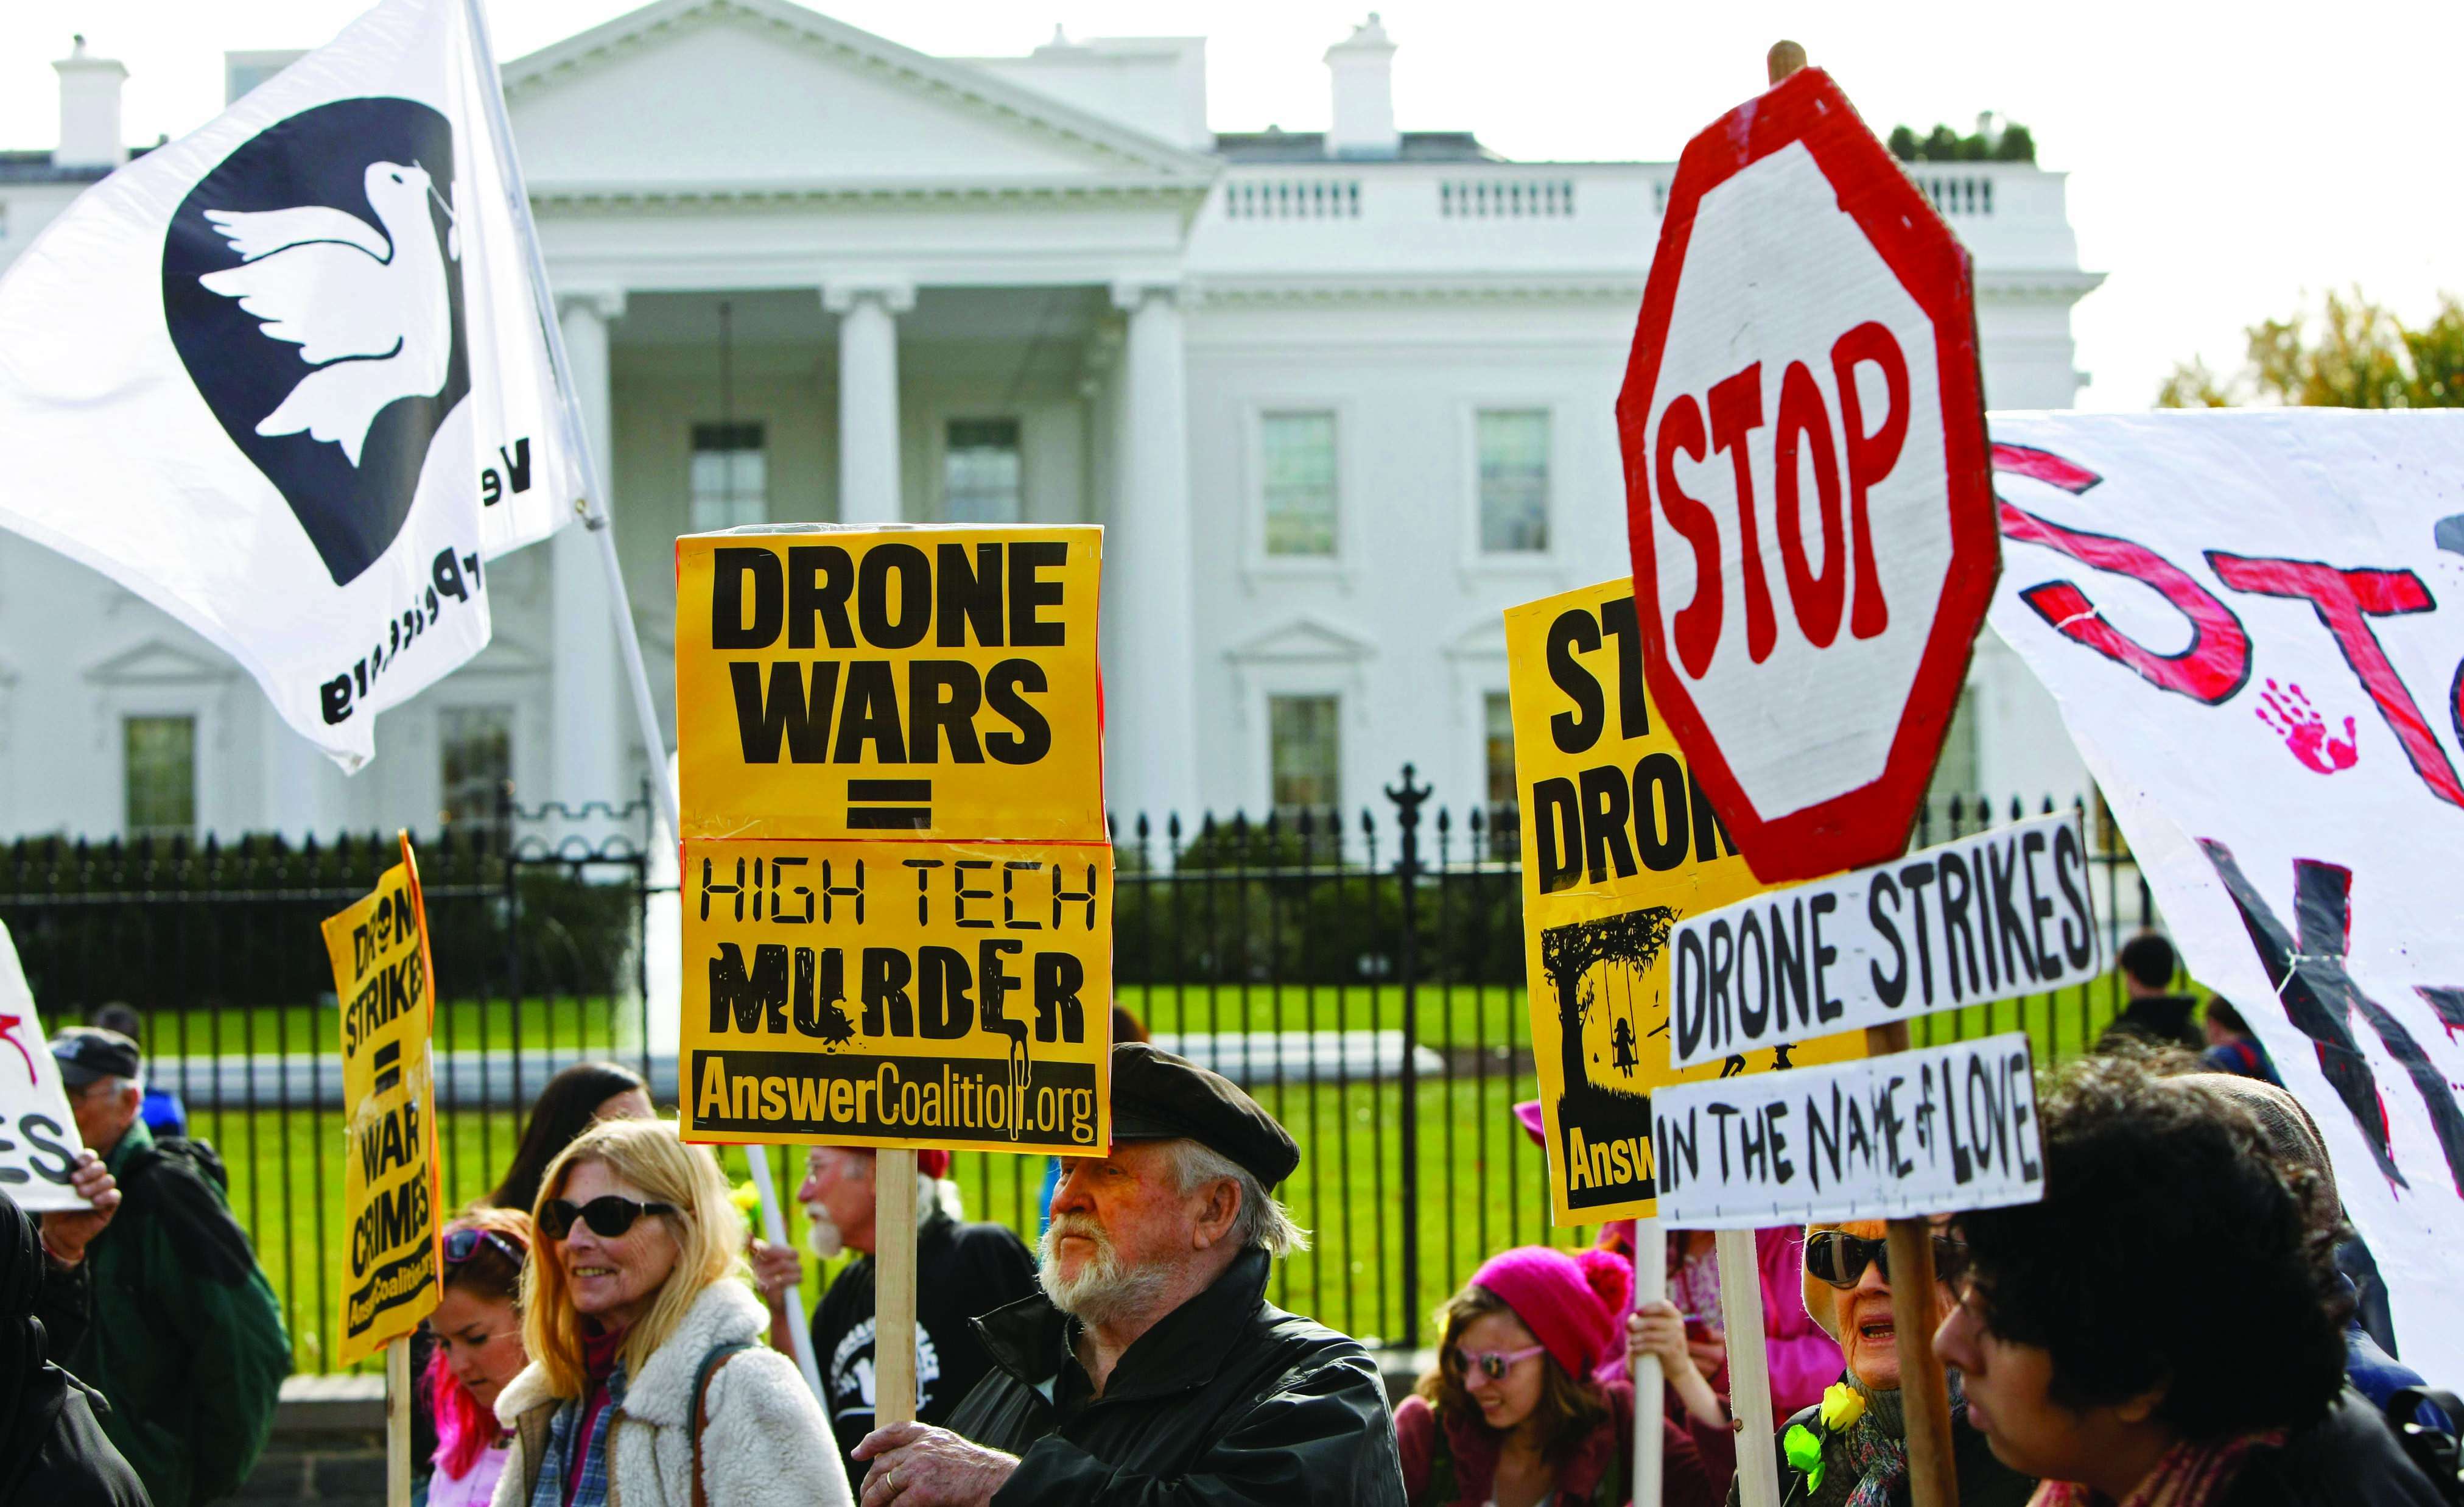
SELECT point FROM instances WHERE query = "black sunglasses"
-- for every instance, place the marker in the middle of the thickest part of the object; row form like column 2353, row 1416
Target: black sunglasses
column 461, row 1245
column 1840, row 1258
column 607, row 1215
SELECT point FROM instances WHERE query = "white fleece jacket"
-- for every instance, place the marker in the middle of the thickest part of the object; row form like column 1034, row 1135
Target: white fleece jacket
column 768, row 1444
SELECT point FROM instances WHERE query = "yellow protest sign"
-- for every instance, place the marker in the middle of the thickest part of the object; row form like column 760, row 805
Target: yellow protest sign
column 1618, row 844
column 391, row 1272
column 898, row 882
column 899, row 994
column 926, row 682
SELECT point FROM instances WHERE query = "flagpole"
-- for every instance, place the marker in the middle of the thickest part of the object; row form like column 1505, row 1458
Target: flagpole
column 592, row 508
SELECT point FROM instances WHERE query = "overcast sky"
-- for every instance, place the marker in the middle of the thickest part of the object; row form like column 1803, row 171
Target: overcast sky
column 2227, row 163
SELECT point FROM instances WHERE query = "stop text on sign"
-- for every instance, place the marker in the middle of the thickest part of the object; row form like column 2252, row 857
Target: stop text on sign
column 923, row 682
column 1824, row 441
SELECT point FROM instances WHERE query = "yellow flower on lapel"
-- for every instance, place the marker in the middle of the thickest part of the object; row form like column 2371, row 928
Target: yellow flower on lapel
column 1843, row 1404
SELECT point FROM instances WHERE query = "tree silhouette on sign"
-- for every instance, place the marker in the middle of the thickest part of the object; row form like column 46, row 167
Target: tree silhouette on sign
column 1632, row 939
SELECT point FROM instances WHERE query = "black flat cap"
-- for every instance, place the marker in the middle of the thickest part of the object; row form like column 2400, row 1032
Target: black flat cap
column 1158, row 1096
column 87, row 1052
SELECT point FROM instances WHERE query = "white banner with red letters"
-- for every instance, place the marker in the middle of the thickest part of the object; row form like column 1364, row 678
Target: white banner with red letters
column 2254, row 623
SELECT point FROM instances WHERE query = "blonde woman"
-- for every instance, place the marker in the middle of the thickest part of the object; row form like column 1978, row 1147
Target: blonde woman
column 642, row 1335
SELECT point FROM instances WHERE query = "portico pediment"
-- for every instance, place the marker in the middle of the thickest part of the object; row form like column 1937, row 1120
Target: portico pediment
column 156, row 661
column 1303, row 640
column 713, row 98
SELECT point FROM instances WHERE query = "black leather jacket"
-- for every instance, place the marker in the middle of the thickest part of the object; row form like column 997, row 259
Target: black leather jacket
column 2347, row 1459
column 1227, row 1400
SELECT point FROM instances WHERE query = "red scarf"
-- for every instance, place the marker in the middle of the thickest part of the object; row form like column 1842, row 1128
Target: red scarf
column 598, row 1365
column 2185, row 1475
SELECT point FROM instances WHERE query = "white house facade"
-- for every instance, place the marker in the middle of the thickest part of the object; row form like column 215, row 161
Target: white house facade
column 1339, row 398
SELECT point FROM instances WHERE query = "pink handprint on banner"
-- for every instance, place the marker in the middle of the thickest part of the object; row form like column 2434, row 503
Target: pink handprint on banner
column 2289, row 714
column 9, row 1025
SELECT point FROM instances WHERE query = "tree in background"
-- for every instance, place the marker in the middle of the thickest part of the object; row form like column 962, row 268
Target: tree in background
column 2356, row 355
column 2006, row 143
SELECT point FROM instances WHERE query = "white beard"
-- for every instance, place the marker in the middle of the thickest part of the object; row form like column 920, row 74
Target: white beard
column 822, row 1233
column 1104, row 1290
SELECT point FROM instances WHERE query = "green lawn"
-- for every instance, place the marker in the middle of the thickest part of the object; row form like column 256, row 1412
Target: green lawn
column 1480, row 1186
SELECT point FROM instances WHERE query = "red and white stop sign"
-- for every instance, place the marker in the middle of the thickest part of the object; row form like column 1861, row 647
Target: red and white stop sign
column 1808, row 486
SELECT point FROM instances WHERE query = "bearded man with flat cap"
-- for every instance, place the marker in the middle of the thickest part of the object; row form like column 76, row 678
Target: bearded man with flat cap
column 1151, row 1369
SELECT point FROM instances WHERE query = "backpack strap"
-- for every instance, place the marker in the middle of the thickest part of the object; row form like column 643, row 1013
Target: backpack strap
column 2414, row 1414
column 718, row 1355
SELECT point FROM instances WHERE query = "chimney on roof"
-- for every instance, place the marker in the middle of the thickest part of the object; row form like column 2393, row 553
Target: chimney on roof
column 90, row 111
column 1364, row 94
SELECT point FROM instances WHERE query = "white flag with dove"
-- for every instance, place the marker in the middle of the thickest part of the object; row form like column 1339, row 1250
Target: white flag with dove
column 288, row 378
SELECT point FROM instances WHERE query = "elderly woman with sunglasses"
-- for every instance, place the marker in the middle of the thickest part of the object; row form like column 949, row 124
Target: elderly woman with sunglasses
column 1851, row 1446
column 1515, row 1415
column 646, row 1385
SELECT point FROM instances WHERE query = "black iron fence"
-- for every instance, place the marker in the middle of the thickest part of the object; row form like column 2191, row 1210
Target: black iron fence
column 1362, row 971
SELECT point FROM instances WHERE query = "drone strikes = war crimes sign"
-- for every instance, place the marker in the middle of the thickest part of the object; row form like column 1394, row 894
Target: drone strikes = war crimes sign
column 886, row 993
column 897, row 879
column 390, row 1199
column 918, row 682
column 1619, row 844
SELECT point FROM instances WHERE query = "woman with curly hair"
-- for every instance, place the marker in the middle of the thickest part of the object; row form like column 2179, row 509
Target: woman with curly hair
column 1514, row 1414
column 478, row 1332
column 2165, row 1329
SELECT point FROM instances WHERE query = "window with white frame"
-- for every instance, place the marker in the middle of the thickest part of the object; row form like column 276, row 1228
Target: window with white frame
column 982, row 479
column 730, row 483
column 1296, row 454
column 1497, row 745
column 474, row 762
column 1513, row 457
column 159, row 775
column 1303, row 755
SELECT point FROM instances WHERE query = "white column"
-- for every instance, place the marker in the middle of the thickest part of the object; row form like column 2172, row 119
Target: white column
column 593, row 727
column 1151, row 736
column 869, row 396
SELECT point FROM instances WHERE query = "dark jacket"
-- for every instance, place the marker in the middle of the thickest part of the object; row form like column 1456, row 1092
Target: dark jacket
column 1227, row 1400
column 2347, row 1459
column 1984, row 1481
column 1454, row 1461
column 77, row 1464
column 185, row 1339
column 961, row 1271
column 2157, row 1020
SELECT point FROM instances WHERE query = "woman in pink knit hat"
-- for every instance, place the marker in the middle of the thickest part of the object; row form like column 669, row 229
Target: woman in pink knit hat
column 1514, row 1414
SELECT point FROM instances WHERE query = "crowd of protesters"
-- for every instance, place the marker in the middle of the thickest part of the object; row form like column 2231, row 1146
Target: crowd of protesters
column 2178, row 1323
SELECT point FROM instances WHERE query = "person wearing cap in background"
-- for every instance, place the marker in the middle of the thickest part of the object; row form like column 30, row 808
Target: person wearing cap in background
column 1151, row 1366
column 185, row 1339
column 164, row 1114
column 961, row 1271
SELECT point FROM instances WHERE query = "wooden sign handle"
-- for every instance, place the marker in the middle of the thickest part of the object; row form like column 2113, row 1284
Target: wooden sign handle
column 398, row 1402
column 893, row 1288
column 1650, row 1386
column 1925, row 1395
column 1749, row 1402
column 1783, row 59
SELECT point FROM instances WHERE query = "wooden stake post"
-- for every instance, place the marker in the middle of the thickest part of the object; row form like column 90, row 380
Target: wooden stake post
column 893, row 1288
column 1924, row 1392
column 1650, row 1386
column 1750, row 1404
column 398, row 1406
